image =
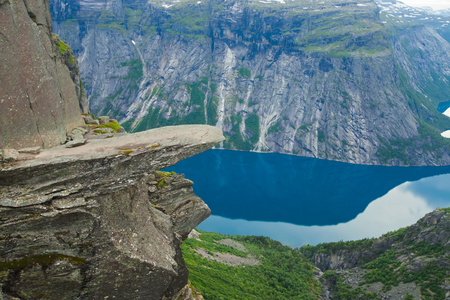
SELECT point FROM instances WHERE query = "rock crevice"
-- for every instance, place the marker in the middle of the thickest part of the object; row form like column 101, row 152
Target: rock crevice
column 99, row 220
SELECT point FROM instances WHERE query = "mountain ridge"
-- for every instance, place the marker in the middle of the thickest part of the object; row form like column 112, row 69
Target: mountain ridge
column 318, row 80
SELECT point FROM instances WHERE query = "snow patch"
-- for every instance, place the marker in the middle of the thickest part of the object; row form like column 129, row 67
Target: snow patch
column 447, row 112
column 446, row 134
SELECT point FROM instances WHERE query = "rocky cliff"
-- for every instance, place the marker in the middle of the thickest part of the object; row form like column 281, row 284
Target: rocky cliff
column 413, row 260
column 92, row 219
column 328, row 80
column 99, row 221
column 38, row 99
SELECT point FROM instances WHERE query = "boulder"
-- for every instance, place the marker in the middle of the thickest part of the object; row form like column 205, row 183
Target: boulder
column 103, row 119
column 8, row 155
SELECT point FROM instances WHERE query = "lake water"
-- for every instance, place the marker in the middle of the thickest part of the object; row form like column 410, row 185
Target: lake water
column 298, row 200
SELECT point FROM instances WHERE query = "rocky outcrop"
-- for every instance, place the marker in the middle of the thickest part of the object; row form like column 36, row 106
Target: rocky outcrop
column 38, row 102
column 413, row 260
column 70, row 60
column 94, row 218
column 99, row 220
column 326, row 80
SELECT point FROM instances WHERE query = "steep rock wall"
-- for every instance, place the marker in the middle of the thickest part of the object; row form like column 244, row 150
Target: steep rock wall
column 413, row 260
column 323, row 80
column 38, row 103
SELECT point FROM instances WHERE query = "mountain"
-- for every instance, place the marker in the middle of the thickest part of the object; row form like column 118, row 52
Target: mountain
column 400, row 12
column 331, row 80
column 410, row 263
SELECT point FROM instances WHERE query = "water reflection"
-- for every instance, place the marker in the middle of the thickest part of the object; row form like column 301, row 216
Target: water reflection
column 305, row 191
column 400, row 207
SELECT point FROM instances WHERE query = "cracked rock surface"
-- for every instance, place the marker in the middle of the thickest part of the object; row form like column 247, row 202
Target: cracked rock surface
column 38, row 101
column 99, row 220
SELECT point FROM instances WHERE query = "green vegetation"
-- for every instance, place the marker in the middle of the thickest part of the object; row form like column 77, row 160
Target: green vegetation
column 189, row 20
column 127, row 125
column 396, row 257
column 211, row 106
column 63, row 48
column 329, row 248
column 162, row 182
column 430, row 121
column 320, row 136
column 428, row 140
column 245, row 72
column 114, row 125
column 99, row 131
column 134, row 73
column 192, row 112
column 252, row 126
column 127, row 152
column 345, row 34
column 382, row 269
column 282, row 272
column 274, row 127
column 133, row 18
column 197, row 101
column 236, row 140
column 43, row 260
column 107, row 20
column 343, row 291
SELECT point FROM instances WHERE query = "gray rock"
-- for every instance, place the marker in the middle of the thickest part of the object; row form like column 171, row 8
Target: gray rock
column 76, row 143
column 68, row 203
column 89, row 120
column 348, row 261
column 104, row 235
column 37, row 95
column 76, row 133
column 103, row 119
column 8, row 155
column 269, row 79
column 31, row 150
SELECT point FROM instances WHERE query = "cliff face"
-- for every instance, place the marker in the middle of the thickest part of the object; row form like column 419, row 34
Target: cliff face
column 99, row 221
column 327, row 80
column 413, row 260
column 38, row 103
column 90, row 222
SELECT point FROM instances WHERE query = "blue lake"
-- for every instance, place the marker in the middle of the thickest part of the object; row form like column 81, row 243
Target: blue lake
column 299, row 200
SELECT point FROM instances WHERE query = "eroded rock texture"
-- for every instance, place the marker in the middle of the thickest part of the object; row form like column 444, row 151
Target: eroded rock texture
column 38, row 102
column 99, row 221
column 416, row 258
column 325, row 79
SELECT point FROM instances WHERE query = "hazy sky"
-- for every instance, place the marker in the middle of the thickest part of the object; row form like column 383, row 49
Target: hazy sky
column 435, row 4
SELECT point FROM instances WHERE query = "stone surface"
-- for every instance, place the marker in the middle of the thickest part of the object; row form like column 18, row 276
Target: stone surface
column 75, row 143
column 103, row 119
column 76, row 134
column 90, row 120
column 31, row 150
column 8, row 155
column 429, row 234
column 81, row 222
column 299, row 77
column 38, row 103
